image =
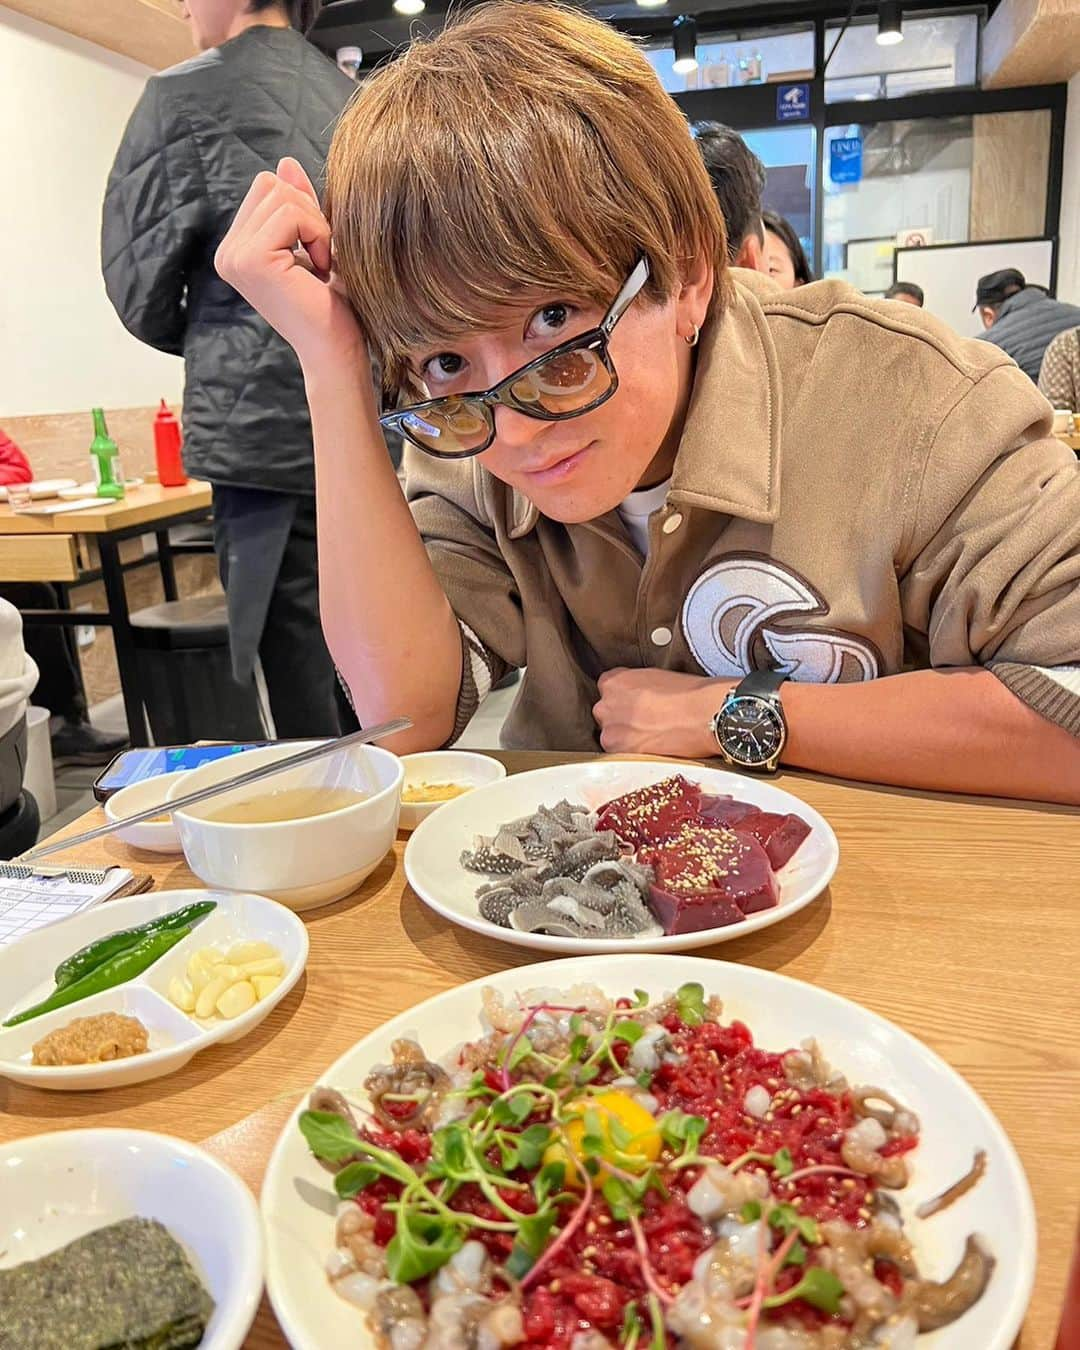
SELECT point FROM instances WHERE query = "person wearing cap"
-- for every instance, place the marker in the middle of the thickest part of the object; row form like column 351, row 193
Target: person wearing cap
column 1021, row 319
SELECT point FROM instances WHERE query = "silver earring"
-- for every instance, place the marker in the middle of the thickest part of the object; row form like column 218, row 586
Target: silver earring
column 692, row 340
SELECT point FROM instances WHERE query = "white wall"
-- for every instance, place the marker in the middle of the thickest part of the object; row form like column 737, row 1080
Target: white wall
column 1068, row 278
column 63, row 107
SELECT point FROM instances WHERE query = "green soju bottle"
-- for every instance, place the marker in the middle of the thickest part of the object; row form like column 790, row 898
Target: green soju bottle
column 105, row 458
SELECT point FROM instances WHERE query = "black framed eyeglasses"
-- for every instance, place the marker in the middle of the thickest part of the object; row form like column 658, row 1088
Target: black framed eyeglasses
column 569, row 380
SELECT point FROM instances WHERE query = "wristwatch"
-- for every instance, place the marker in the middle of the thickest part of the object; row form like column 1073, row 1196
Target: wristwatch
column 750, row 727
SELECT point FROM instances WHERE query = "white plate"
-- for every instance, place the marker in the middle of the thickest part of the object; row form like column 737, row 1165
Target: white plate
column 46, row 487
column 434, row 870
column 58, row 1187
column 444, row 766
column 298, row 1201
column 26, row 978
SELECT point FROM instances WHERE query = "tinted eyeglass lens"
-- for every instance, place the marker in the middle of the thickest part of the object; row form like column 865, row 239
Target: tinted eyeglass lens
column 564, row 383
column 456, row 425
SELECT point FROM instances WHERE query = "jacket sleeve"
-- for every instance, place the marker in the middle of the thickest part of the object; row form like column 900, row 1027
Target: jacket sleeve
column 473, row 573
column 992, row 572
column 14, row 466
column 155, row 211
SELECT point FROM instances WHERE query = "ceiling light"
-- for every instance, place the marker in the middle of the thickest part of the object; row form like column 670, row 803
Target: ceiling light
column 652, row 4
column 889, row 29
column 684, row 42
column 409, row 7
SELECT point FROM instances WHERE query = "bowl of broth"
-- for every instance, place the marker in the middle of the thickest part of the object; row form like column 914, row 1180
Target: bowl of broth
column 306, row 837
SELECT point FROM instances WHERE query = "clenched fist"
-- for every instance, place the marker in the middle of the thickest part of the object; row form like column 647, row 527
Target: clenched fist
column 295, row 292
column 658, row 712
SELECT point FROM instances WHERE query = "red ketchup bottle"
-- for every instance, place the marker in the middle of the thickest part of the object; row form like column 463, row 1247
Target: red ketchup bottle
column 170, row 466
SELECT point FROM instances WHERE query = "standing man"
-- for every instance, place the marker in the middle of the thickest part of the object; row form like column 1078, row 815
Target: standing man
column 1021, row 319
column 258, row 91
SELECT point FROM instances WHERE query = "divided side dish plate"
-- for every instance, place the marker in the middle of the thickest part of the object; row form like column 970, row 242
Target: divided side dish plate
column 26, row 977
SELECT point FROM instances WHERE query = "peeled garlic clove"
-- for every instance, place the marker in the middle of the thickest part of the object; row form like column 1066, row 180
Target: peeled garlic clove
column 182, row 994
column 240, row 953
column 272, row 966
column 199, row 971
column 237, row 999
column 264, row 984
column 208, row 998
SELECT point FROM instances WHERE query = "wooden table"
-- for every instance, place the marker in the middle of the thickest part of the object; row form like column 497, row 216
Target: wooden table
column 958, row 918
column 43, row 548
column 1071, row 439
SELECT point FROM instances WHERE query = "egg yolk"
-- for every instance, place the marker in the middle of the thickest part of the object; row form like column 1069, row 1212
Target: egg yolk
column 612, row 1110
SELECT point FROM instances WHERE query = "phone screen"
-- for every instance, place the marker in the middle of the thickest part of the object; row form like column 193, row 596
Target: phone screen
column 135, row 765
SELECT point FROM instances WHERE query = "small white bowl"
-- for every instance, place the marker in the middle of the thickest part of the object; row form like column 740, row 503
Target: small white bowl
column 300, row 863
column 444, row 766
column 155, row 837
column 59, row 1187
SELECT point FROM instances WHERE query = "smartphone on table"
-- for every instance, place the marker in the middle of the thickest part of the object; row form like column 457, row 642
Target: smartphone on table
column 132, row 766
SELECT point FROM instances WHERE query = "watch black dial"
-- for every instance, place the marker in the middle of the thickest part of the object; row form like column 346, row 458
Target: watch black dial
column 750, row 730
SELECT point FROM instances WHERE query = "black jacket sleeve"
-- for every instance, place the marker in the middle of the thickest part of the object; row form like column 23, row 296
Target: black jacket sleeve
column 155, row 214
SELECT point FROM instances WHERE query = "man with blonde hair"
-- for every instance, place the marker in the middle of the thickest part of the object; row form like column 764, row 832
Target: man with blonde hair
column 707, row 514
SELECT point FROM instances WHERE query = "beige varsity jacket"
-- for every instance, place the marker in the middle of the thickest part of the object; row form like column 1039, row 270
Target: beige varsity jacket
column 858, row 491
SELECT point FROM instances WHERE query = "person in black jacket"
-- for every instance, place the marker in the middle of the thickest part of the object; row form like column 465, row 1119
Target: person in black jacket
column 201, row 131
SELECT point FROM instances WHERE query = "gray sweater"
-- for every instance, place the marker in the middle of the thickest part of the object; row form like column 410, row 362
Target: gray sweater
column 1025, row 325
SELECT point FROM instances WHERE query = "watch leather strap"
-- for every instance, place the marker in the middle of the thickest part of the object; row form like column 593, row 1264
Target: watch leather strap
column 760, row 683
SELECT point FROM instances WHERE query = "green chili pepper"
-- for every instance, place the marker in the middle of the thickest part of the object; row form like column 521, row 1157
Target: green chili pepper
column 99, row 951
column 124, row 966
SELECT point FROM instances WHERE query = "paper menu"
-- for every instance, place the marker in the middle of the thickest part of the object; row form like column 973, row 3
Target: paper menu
column 29, row 902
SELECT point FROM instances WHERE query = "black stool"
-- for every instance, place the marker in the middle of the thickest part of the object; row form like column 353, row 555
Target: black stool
column 186, row 674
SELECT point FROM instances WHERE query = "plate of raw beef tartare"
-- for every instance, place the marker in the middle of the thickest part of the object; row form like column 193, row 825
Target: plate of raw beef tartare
column 618, row 856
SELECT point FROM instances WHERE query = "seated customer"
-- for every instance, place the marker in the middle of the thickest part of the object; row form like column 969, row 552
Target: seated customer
column 53, row 648
column 1059, row 375
column 1021, row 319
column 907, row 292
column 868, row 515
column 785, row 258
column 738, row 179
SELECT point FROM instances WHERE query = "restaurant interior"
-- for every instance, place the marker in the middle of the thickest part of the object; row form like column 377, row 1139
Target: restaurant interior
column 532, row 890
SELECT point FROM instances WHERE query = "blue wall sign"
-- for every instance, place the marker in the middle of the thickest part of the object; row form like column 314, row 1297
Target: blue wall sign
column 793, row 103
column 845, row 159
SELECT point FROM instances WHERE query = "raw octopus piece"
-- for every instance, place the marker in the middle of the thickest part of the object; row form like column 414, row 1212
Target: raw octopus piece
column 780, row 835
column 707, row 877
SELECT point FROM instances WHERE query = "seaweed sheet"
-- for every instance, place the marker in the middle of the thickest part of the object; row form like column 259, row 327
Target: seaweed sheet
column 128, row 1286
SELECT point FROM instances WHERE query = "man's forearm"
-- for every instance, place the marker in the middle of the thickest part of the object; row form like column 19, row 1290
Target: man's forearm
column 954, row 731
